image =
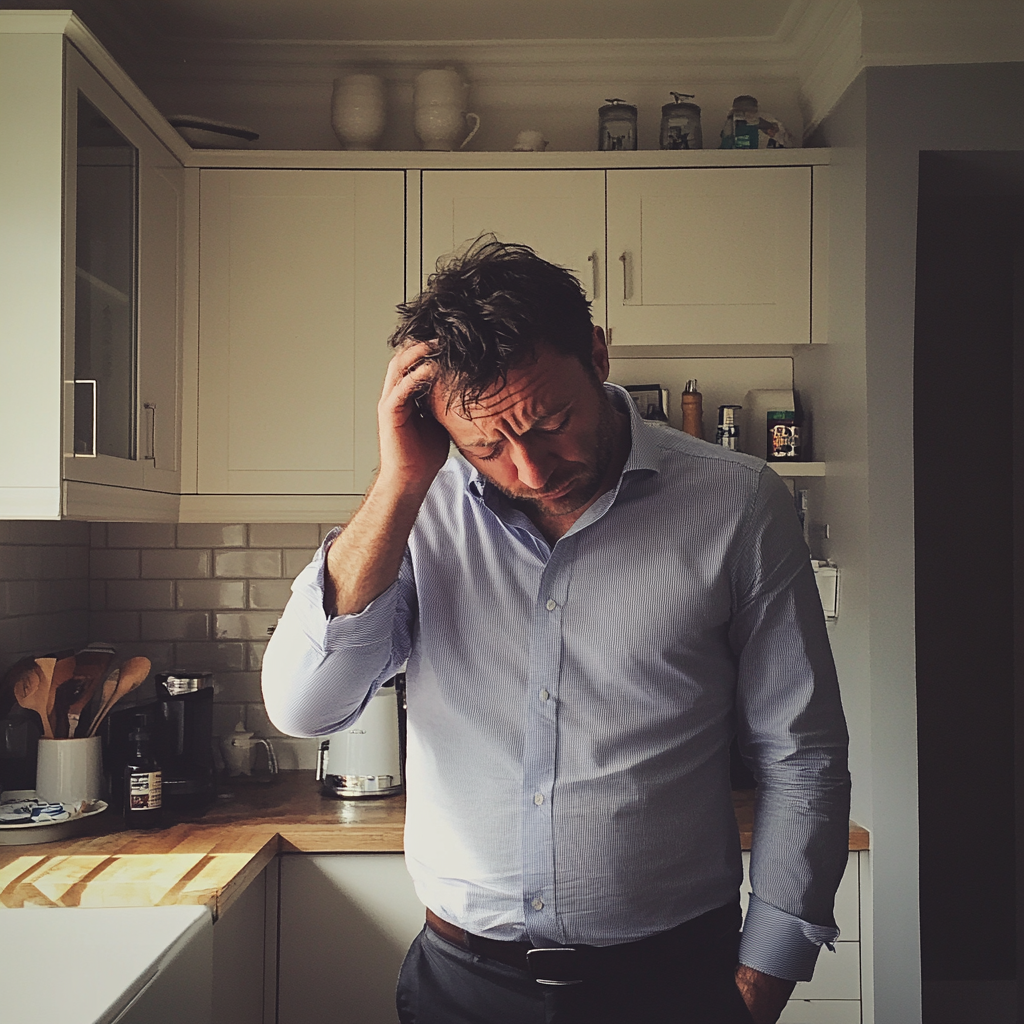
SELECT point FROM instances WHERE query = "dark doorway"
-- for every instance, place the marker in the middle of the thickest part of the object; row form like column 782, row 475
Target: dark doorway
column 968, row 447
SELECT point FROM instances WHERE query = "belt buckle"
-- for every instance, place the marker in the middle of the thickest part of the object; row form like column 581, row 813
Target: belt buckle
column 560, row 965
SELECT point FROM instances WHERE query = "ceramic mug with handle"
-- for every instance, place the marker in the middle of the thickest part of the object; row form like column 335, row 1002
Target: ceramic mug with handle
column 440, row 115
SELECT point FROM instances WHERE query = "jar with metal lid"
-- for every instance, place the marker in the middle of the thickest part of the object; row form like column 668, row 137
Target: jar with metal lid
column 680, row 124
column 616, row 126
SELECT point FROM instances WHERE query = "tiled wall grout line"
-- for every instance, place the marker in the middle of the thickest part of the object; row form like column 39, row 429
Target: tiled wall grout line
column 187, row 596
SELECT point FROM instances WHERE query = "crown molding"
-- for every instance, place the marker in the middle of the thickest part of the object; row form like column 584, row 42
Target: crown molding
column 537, row 61
column 830, row 58
column 960, row 32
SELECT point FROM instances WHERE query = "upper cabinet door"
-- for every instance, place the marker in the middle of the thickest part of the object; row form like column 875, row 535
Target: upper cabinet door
column 709, row 256
column 124, row 200
column 300, row 273
column 560, row 214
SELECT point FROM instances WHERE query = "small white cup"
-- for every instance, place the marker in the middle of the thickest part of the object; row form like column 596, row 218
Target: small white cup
column 69, row 771
column 530, row 142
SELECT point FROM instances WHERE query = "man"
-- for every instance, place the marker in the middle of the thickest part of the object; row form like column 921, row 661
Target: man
column 591, row 607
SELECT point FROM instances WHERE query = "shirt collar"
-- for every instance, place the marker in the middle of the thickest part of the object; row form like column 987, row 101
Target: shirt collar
column 643, row 449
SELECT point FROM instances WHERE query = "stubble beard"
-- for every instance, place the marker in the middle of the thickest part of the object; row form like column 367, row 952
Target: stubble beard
column 586, row 481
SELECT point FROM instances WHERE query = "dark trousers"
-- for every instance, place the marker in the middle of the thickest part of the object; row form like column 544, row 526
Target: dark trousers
column 681, row 977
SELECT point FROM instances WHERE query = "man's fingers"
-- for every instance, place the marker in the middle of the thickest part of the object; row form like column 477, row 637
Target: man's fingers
column 406, row 360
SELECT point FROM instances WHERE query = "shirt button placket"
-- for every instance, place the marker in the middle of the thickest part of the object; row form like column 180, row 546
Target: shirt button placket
column 539, row 761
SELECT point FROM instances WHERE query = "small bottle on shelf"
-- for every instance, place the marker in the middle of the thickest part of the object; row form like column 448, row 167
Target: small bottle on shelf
column 728, row 433
column 143, row 781
column 693, row 410
column 784, row 441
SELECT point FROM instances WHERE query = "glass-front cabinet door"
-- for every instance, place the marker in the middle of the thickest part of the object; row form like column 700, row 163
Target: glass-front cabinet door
column 106, row 243
column 124, row 194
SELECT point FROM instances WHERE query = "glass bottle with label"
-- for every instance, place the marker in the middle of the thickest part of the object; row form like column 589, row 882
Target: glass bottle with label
column 143, row 781
column 728, row 433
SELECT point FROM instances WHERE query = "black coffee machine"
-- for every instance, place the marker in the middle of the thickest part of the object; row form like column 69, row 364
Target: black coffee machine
column 181, row 723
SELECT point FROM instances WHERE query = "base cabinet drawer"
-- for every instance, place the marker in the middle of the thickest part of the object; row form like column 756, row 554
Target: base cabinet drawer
column 821, row 1011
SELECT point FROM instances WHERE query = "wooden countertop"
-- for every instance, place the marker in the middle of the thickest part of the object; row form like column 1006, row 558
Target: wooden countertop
column 211, row 858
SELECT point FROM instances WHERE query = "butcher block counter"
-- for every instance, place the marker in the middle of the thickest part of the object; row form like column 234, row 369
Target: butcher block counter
column 209, row 859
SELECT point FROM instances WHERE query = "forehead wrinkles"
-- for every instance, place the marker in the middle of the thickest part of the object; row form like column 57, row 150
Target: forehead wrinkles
column 521, row 393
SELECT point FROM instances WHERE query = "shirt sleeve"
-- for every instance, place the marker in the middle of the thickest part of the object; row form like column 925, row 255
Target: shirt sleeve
column 320, row 671
column 792, row 734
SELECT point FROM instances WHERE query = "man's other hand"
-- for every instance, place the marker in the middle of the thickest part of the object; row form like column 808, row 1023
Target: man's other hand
column 766, row 996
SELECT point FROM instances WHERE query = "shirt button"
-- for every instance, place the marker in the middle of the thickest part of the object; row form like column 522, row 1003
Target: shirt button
column 537, row 903
column 551, row 605
column 538, row 798
column 544, row 695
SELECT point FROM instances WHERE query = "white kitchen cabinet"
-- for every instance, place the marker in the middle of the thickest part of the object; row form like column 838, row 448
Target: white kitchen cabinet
column 89, row 274
column 560, row 213
column 245, row 955
column 347, row 921
column 300, row 273
column 709, row 256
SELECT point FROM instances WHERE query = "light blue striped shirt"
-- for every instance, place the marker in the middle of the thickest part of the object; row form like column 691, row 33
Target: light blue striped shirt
column 571, row 707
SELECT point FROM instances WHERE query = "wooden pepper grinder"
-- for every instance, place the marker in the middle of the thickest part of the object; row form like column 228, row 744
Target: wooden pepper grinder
column 693, row 410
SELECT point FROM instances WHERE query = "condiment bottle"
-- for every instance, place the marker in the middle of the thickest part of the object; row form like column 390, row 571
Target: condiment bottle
column 783, row 435
column 143, row 781
column 728, row 433
column 693, row 410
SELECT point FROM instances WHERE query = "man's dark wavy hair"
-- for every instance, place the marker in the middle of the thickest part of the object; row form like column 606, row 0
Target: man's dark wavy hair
column 487, row 309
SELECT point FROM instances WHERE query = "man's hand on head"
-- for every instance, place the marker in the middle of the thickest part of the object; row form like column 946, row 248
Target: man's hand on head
column 765, row 995
column 413, row 445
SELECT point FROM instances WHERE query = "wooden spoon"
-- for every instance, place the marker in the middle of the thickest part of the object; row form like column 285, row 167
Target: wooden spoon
column 46, row 667
column 32, row 691
column 62, row 693
column 106, row 698
column 132, row 673
column 91, row 665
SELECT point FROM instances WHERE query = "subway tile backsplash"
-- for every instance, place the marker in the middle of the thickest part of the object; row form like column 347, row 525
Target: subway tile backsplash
column 44, row 588
column 197, row 596
column 202, row 596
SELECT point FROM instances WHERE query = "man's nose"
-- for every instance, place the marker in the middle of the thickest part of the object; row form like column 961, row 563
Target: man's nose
column 533, row 465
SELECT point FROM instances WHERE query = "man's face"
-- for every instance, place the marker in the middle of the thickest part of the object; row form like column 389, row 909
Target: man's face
column 547, row 438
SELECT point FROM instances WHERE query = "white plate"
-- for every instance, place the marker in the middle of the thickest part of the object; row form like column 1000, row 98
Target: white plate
column 203, row 133
column 47, row 831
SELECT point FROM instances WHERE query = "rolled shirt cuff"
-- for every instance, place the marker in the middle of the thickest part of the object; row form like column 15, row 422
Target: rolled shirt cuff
column 370, row 626
column 781, row 944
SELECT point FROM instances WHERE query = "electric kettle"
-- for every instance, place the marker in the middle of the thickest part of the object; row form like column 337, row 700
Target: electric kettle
column 366, row 759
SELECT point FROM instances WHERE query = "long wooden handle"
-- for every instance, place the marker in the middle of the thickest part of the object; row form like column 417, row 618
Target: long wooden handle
column 109, row 691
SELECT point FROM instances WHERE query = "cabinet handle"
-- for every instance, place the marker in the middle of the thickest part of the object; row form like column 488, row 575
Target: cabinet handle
column 627, row 275
column 91, row 453
column 150, row 407
column 595, row 291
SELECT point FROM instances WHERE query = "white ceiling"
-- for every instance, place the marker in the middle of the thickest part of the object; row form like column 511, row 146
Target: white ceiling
column 358, row 20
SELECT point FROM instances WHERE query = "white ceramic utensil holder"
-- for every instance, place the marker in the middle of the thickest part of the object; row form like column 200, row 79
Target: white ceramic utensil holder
column 69, row 771
column 357, row 111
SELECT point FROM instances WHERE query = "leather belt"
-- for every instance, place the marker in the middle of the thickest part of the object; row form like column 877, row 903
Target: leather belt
column 512, row 954
column 569, row 965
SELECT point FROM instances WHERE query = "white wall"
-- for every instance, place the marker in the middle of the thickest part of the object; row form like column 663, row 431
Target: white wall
column 863, row 385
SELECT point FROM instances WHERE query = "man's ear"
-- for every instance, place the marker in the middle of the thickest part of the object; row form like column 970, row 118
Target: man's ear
column 599, row 354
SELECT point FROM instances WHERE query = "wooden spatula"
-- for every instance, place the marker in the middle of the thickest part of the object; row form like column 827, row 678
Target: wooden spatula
column 32, row 691
column 91, row 665
column 132, row 673
column 62, row 692
column 46, row 667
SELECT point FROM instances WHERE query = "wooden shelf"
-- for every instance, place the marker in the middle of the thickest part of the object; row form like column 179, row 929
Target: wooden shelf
column 799, row 470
